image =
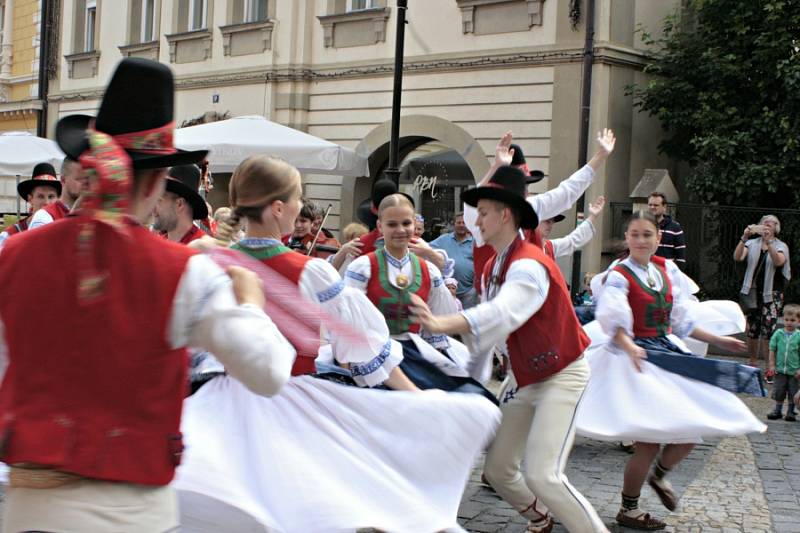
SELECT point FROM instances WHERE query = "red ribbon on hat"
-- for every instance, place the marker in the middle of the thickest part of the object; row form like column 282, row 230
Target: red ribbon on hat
column 154, row 141
column 45, row 177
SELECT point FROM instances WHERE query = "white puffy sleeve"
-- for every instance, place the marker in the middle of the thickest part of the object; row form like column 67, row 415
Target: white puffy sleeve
column 369, row 365
column 557, row 200
column 682, row 318
column 522, row 294
column 441, row 302
column 575, row 240
column 613, row 309
column 358, row 274
column 205, row 315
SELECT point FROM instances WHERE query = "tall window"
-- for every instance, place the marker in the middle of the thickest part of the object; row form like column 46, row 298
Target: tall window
column 90, row 25
column 358, row 5
column 255, row 10
column 198, row 10
column 148, row 21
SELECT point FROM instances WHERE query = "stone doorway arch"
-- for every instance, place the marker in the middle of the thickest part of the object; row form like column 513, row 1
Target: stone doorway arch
column 415, row 130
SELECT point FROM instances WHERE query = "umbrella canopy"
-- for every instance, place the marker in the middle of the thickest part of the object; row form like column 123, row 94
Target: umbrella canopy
column 230, row 141
column 20, row 151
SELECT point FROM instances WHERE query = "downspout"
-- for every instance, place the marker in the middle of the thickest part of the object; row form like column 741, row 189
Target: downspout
column 44, row 78
column 583, row 148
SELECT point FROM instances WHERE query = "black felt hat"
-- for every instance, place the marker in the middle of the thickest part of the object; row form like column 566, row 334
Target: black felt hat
column 43, row 175
column 139, row 98
column 184, row 180
column 534, row 177
column 519, row 156
column 367, row 211
column 508, row 186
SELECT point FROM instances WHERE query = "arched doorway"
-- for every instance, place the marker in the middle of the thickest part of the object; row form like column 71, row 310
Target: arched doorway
column 418, row 134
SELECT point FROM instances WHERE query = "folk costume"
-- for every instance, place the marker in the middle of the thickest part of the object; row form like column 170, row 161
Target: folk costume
column 46, row 215
column 299, row 460
column 430, row 361
column 546, row 205
column 527, row 313
column 184, row 181
column 574, row 240
column 678, row 397
column 43, row 175
column 92, row 455
column 326, row 245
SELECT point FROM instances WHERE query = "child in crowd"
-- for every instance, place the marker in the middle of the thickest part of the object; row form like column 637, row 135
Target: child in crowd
column 784, row 363
column 353, row 231
column 452, row 285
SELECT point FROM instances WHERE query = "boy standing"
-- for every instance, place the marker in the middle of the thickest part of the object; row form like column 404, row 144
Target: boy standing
column 784, row 362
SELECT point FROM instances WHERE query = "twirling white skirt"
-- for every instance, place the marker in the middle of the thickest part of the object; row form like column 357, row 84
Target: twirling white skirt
column 321, row 456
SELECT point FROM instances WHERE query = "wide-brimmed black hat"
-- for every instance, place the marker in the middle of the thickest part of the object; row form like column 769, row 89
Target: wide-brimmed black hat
column 367, row 211
column 43, row 175
column 519, row 156
column 507, row 185
column 534, row 177
column 139, row 98
column 184, row 180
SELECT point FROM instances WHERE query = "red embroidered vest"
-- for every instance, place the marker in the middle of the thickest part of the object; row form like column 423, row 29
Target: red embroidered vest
column 651, row 309
column 192, row 235
column 57, row 210
column 391, row 301
column 93, row 389
column 19, row 227
column 369, row 240
column 552, row 338
column 482, row 255
column 290, row 265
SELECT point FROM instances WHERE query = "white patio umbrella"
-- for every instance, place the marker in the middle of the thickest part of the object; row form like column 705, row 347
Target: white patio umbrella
column 20, row 151
column 232, row 140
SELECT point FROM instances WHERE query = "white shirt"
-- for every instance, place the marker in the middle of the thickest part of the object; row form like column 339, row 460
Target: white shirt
column 439, row 299
column 575, row 240
column 546, row 205
column 40, row 218
column 506, row 308
column 205, row 314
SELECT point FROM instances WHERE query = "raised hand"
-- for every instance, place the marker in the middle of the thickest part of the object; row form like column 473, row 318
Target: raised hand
column 606, row 141
column 503, row 153
column 596, row 207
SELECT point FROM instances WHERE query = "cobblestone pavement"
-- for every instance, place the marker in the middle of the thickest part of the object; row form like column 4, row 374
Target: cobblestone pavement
column 744, row 484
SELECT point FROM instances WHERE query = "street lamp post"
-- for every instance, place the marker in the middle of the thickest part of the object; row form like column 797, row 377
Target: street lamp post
column 392, row 172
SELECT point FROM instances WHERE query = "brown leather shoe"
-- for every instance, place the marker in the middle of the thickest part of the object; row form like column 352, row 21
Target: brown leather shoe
column 641, row 521
column 663, row 489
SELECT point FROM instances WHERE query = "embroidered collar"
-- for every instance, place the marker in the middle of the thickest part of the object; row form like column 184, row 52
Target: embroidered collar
column 254, row 242
column 397, row 263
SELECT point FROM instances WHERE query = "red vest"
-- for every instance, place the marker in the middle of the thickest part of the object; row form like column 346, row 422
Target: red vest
column 651, row 309
column 57, row 210
column 482, row 255
column 93, row 389
column 549, row 249
column 192, row 235
column 19, row 227
column 391, row 301
column 552, row 338
column 369, row 241
column 290, row 265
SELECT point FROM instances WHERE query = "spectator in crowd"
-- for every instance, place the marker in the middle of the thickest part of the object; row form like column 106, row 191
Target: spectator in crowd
column 458, row 245
column 784, row 363
column 673, row 241
column 40, row 191
column 452, row 286
column 767, row 273
column 419, row 225
column 180, row 205
column 74, row 182
column 351, row 235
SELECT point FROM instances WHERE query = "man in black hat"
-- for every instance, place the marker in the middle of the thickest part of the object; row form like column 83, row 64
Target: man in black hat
column 527, row 312
column 40, row 191
column 97, row 451
column 75, row 182
column 180, row 206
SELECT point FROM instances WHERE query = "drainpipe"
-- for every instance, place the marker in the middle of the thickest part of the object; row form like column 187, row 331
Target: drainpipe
column 586, row 100
column 44, row 79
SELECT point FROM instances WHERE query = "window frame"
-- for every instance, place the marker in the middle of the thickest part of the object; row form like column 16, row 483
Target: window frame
column 203, row 15
column 368, row 4
column 143, row 36
column 89, row 15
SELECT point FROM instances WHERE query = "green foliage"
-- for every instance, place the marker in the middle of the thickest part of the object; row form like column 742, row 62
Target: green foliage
column 726, row 86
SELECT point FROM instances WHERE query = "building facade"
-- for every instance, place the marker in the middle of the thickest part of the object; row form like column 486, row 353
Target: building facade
column 474, row 69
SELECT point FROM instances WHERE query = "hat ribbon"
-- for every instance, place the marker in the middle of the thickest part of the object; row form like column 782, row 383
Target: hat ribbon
column 157, row 141
column 45, row 177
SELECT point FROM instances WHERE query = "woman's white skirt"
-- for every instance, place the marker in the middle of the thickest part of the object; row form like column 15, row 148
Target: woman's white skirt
column 655, row 405
column 322, row 456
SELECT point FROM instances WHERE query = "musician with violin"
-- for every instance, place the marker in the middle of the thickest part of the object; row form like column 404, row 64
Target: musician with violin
column 318, row 243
